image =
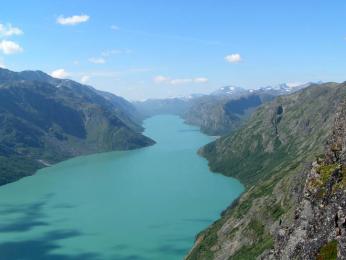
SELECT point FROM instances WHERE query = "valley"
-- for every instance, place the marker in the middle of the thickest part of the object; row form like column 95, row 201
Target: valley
column 167, row 130
column 145, row 203
column 271, row 156
column 268, row 137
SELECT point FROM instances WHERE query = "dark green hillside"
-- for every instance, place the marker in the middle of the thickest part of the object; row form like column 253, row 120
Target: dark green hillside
column 220, row 115
column 45, row 120
column 269, row 155
column 125, row 110
column 241, row 105
column 278, row 133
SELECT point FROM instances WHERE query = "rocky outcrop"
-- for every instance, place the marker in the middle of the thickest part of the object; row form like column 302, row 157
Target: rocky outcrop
column 292, row 208
column 319, row 227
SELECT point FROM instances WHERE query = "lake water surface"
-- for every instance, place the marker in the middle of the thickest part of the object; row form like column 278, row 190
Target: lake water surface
column 142, row 204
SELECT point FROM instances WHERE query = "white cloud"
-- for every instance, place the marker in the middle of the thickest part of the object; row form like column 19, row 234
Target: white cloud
column 9, row 30
column 201, row 80
column 233, row 58
column 115, row 28
column 10, row 47
column 180, row 81
column 97, row 60
column 60, row 74
column 85, row 79
column 161, row 79
column 167, row 80
column 72, row 20
column 2, row 65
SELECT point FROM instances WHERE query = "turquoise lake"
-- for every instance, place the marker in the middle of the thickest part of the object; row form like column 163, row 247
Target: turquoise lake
column 143, row 204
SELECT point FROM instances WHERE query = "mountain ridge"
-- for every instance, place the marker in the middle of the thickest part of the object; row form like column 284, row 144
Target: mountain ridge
column 270, row 154
column 46, row 120
column 222, row 111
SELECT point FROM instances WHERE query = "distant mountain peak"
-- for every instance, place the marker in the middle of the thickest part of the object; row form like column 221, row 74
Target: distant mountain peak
column 229, row 90
column 275, row 90
column 286, row 88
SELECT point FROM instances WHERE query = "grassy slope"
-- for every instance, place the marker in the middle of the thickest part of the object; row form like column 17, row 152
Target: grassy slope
column 267, row 155
column 42, row 123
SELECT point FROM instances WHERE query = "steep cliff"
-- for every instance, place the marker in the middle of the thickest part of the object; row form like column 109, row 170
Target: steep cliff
column 271, row 154
column 319, row 227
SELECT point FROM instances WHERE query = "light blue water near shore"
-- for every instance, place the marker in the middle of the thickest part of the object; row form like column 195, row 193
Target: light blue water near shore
column 142, row 204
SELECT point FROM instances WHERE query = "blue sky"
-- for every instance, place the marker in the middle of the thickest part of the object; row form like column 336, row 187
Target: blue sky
column 140, row 49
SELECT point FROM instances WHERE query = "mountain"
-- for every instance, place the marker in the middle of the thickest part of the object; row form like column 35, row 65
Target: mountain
column 284, row 88
column 152, row 107
column 318, row 229
column 226, row 109
column 124, row 109
column 275, row 90
column 222, row 111
column 271, row 155
column 233, row 91
column 219, row 115
column 44, row 120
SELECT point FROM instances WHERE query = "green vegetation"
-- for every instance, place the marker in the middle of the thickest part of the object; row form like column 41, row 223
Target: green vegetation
column 276, row 211
column 329, row 251
column 326, row 171
column 262, row 242
column 269, row 155
column 219, row 115
column 256, row 226
column 342, row 183
column 263, row 146
column 251, row 252
column 14, row 168
column 43, row 124
column 209, row 239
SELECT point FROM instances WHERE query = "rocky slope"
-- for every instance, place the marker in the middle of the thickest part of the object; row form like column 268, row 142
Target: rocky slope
column 271, row 155
column 226, row 109
column 319, row 226
column 44, row 120
column 222, row 114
